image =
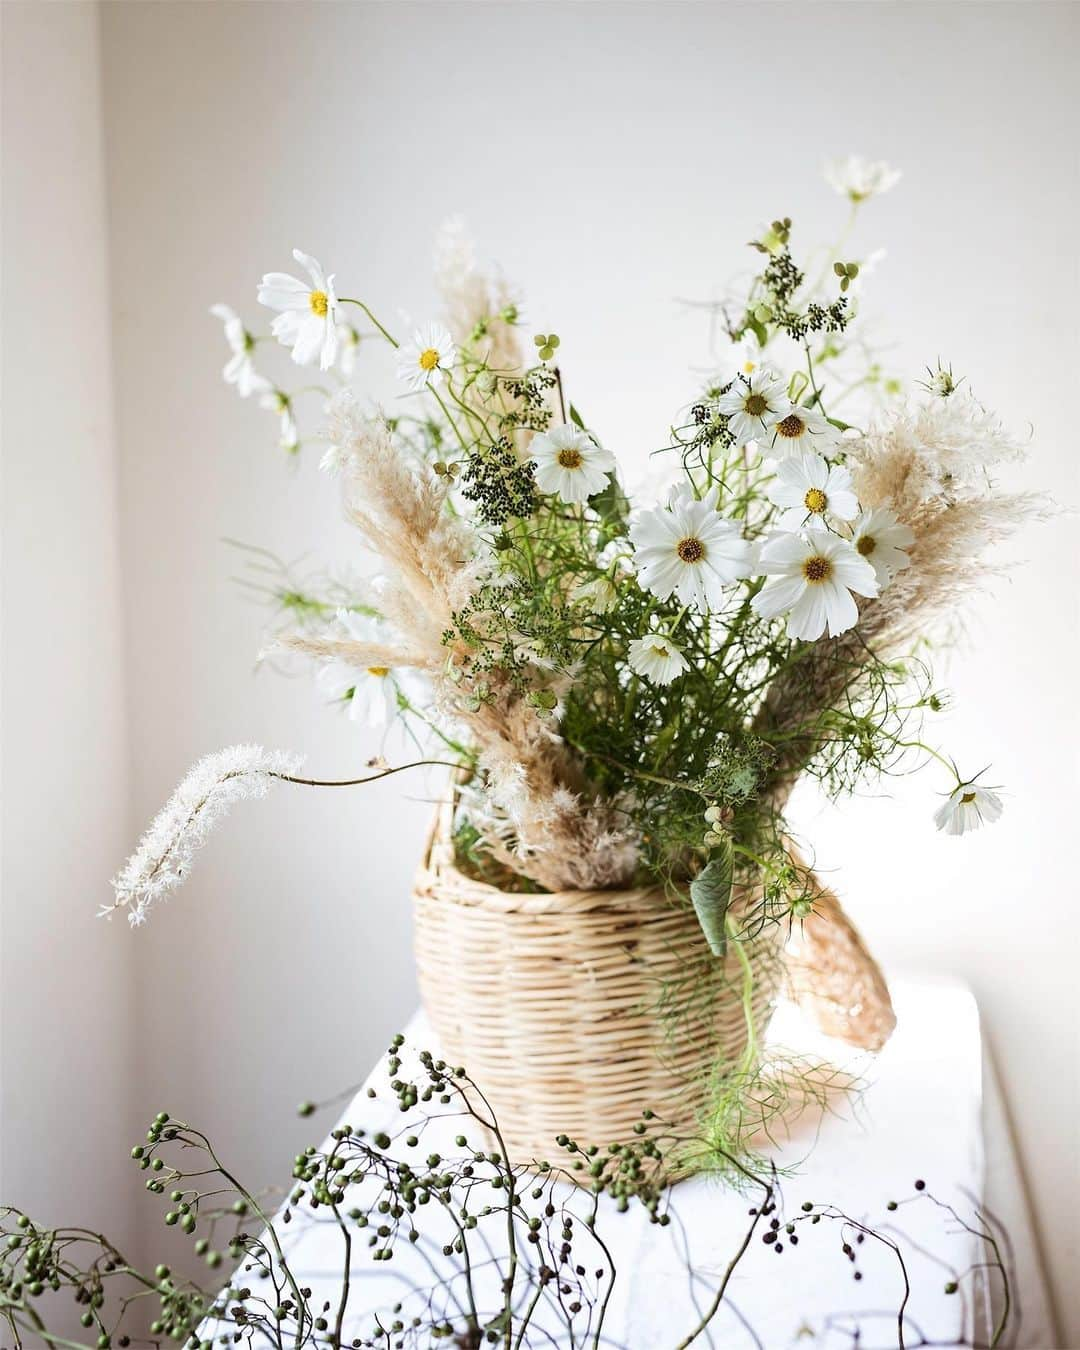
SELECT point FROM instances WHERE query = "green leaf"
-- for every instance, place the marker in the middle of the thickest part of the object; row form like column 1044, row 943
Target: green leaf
column 710, row 891
column 611, row 503
column 575, row 417
column 758, row 330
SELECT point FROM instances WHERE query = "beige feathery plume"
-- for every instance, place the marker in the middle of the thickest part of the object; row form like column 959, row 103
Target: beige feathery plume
column 930, row 465
column 474, row 303
column 565, row 839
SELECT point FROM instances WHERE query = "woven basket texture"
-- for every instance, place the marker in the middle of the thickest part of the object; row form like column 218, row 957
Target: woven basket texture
column 559, row 1005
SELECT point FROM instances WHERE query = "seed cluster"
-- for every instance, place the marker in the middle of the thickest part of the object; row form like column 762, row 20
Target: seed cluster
column 500, row 484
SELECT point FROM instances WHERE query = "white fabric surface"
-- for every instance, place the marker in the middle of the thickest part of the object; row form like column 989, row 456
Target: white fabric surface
column 921, row 1115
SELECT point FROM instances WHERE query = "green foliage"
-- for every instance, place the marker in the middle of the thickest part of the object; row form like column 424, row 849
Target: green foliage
column 710, row 892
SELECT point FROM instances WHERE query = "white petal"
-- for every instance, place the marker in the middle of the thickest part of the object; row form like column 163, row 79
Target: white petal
column 778, row 596
column 840, row 608
column 807, row 618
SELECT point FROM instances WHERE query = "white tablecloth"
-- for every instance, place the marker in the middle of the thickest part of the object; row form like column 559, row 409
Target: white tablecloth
column 929, row 1111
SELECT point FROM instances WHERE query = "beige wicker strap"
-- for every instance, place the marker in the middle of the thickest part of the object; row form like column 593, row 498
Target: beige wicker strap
column 834, row 978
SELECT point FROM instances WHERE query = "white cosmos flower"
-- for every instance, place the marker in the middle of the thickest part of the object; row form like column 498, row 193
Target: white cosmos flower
column 569, row 463
column 967, row 807
column 348, row 347
column 689, row 549
column 803, row 430
column 427, row 358
column 600, row 595
column 882, row 539
column 814, row 575
column 754, row 404
column 308, row 312
column 814, row 493
column 276, row 400
column 240, row 368
column 857, row 178
column 748, row 354
column 371, row 693
column 656, row 658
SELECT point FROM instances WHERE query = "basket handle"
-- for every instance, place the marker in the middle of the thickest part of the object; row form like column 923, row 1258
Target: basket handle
column 833, row 977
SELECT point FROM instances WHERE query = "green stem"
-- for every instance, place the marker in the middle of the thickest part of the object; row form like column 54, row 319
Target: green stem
column 447, row 414
column 346, row 300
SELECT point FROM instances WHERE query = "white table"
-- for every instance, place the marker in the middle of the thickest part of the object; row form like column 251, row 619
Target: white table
column 931, row 1110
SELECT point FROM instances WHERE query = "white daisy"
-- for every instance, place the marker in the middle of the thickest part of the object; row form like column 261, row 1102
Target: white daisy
column 371, row 694
column 240, row 368
column 803, row 429
column 814, row 576
column 569, row 463
column 814, row 493
column 754, row 404
column 857, row 178
column 689, row 549
column 427, row 358
column 277, row 401
column 599, row 595
column 656, row 658
column 308, row 316
column 748, row 354
column 967, row 807
column 881, row 539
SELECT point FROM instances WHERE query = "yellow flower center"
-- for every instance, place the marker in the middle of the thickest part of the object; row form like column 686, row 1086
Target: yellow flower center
column 380, row 672
column 755, row 405
column 658, row 650
column 749, row 367
column 865, row 544
column 791, row 427
column 815, row 501
column 569, row 458
column 690, row 550
column 319, row 303
column 817, row 569
column 967, row 798
column 429, row 358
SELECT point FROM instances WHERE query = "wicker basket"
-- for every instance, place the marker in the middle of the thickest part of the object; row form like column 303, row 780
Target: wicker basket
column 555, row 1002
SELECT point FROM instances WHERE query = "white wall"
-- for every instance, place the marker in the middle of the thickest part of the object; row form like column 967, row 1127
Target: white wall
column 613, row 157
column 66, row 1006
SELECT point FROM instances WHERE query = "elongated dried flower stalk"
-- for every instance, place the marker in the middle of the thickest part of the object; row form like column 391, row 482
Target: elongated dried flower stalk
column 475, row 305
column 930, row 465
column 563, row 838
column 166, row 851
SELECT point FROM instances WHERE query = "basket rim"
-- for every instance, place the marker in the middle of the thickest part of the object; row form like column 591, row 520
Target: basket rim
column 439, row 877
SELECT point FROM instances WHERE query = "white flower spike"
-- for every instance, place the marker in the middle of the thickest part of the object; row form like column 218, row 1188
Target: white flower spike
column 656, row 658
column 570, row 463
column 427, row 358
column 814, row 575
column 167, row 850
column 240, row 368
column 688, row 549
column 967, row 807
column 815, row 494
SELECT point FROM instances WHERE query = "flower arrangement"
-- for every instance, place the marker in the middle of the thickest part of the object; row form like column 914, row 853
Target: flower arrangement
column 629, row 688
